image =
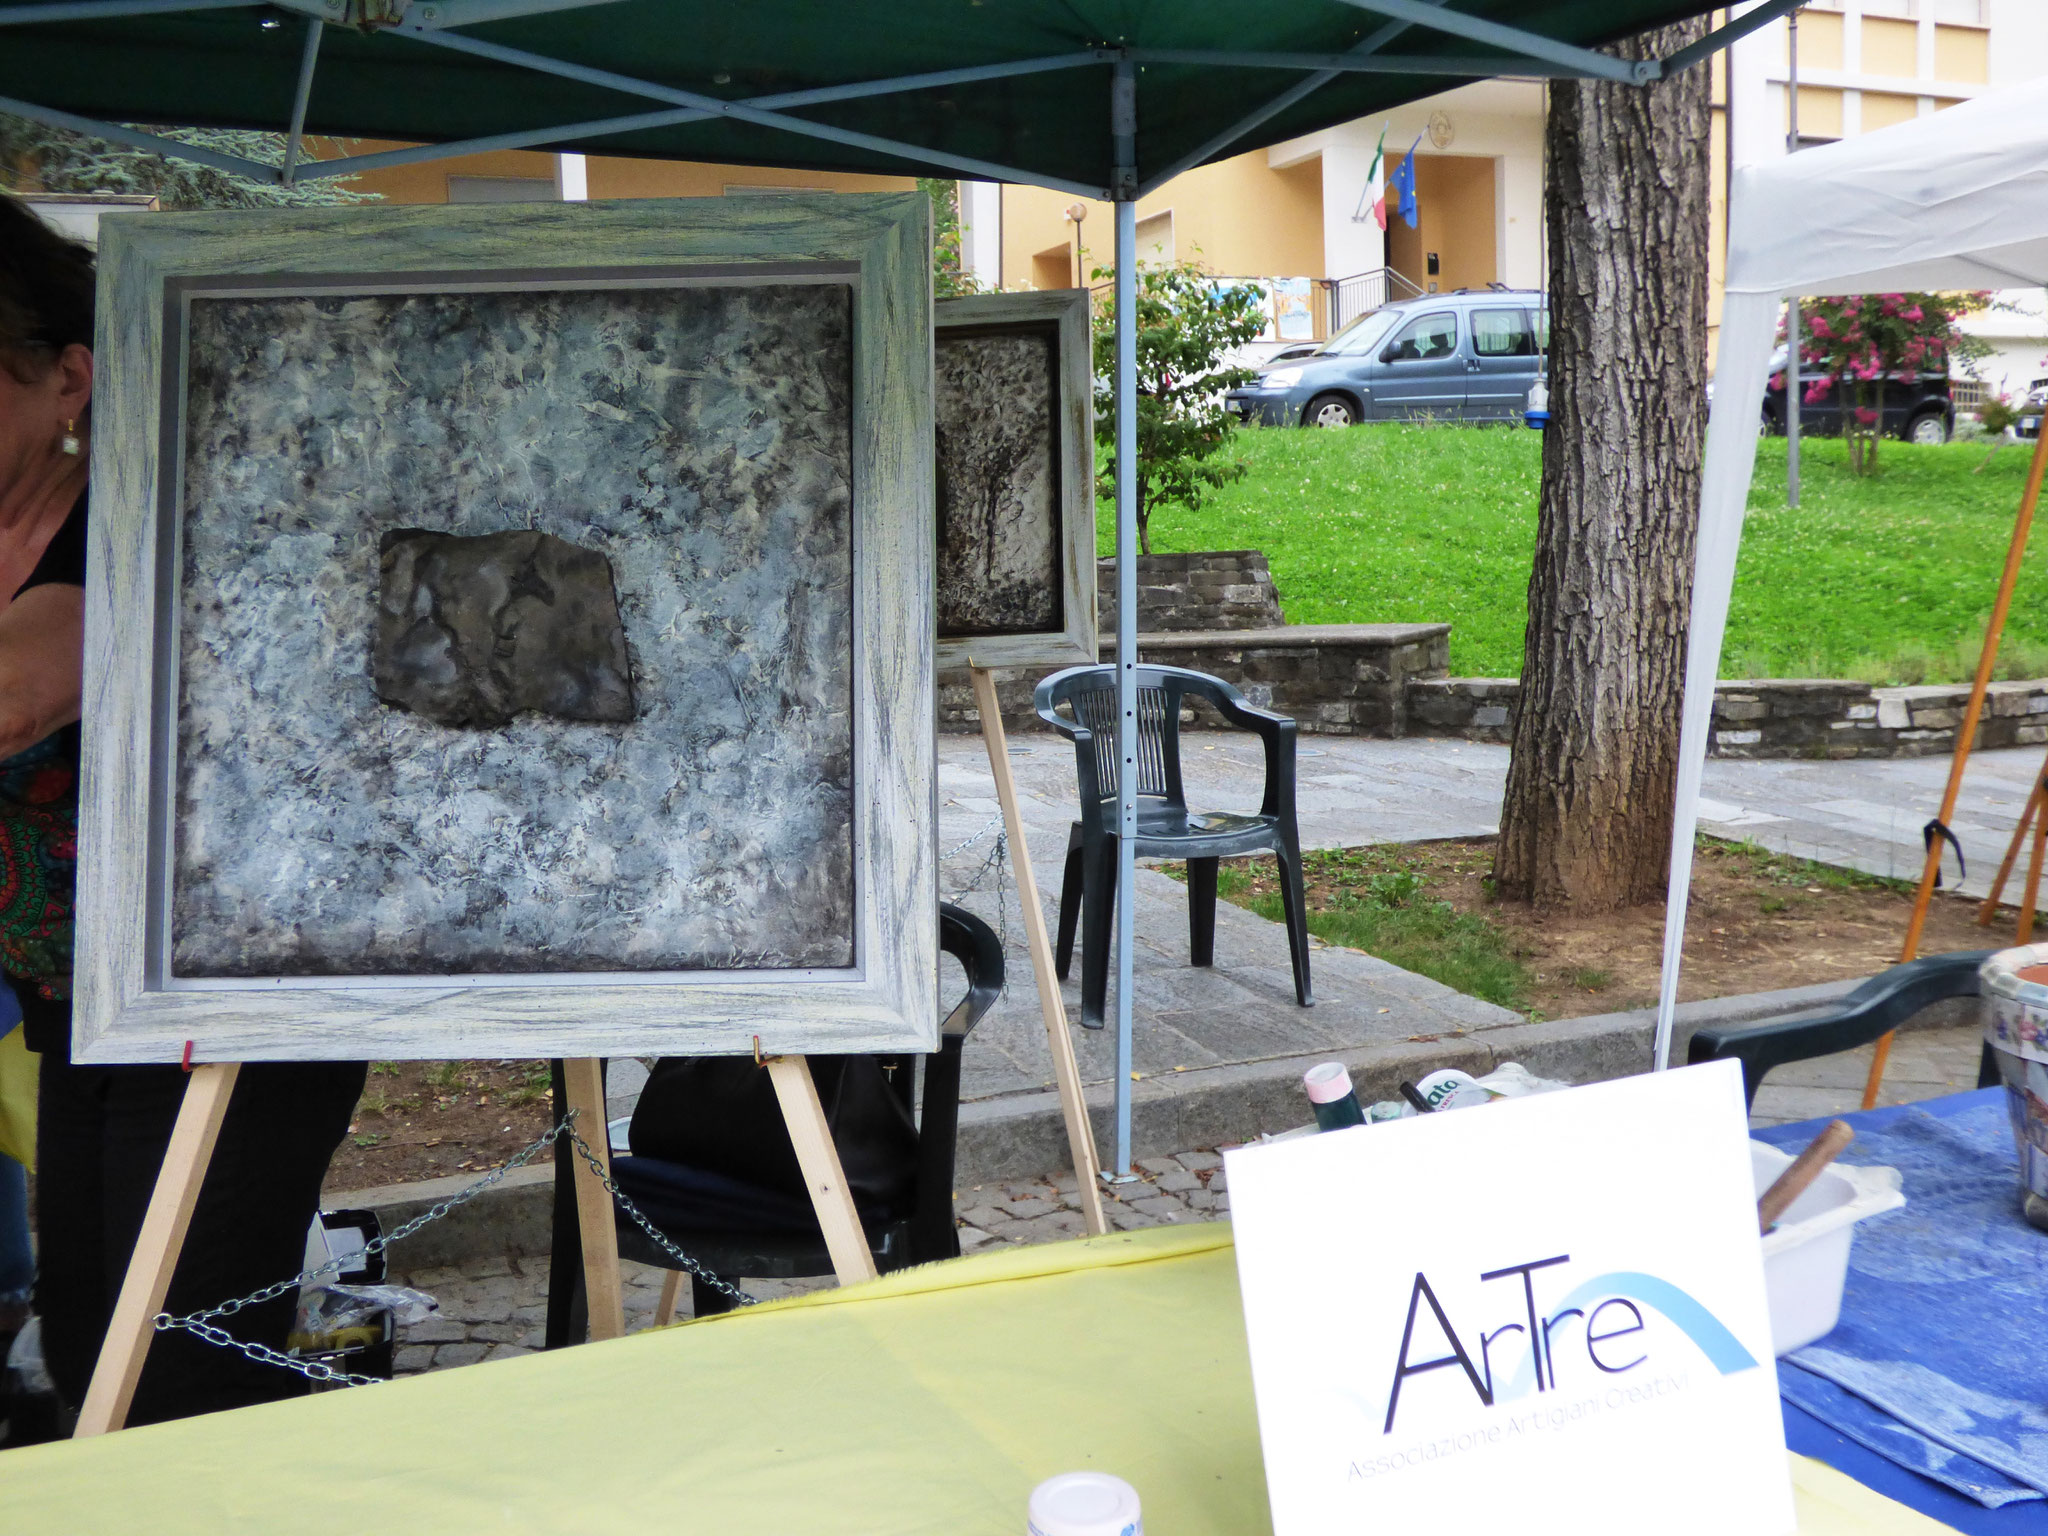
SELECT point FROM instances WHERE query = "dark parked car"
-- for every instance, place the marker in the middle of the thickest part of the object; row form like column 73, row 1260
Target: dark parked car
column 2032, row 409
column 1464, row 356
column 1920, row 410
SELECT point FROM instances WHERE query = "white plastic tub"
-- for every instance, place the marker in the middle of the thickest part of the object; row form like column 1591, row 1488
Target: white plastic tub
column 1806, row 1255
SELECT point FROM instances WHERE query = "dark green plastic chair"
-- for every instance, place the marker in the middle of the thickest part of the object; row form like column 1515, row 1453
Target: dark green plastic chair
column 1166, row 827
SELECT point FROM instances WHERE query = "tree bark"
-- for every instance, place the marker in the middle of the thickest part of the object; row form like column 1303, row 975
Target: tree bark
column 1587, row 815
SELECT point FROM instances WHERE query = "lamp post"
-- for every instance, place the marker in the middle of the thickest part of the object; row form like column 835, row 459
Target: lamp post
column 1076, row 212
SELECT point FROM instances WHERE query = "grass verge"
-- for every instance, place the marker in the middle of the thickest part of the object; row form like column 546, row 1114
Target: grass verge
column 1887, row 578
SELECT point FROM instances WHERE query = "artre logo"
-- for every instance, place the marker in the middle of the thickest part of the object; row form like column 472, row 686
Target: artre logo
column 1609, row 1307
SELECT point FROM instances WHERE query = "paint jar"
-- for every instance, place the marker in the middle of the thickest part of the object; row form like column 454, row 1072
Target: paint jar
column 1085, row 1504
column 1332, row 1097
column 2014, row 984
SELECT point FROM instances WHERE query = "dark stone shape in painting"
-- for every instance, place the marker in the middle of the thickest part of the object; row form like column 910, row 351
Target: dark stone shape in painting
column 998, row 473
column 474, row 630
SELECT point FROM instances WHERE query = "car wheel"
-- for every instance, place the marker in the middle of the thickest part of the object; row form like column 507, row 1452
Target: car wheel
column 1930, row 428
column 1330, row 411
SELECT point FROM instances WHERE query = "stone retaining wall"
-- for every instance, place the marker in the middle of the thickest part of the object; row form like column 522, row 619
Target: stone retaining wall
column 1212, row 589
column 1780, row 717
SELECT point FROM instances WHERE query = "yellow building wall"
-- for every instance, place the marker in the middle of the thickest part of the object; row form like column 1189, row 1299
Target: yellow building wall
column 1962, row 54
column 1881, row 109
column 1820, row 111
column 1890, row 47
column 1820, row 40
column 1239, row 218
column 609, row 176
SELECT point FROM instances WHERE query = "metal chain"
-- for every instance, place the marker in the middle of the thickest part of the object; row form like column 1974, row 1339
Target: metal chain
column 997, row 861
column 200, row 1324
column 661, row 1240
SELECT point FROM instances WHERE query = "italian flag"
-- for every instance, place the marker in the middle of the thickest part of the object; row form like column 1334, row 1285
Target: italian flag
column 1376, row 181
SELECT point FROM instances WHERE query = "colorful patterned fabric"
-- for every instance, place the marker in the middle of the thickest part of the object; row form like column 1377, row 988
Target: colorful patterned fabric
column 38, row 865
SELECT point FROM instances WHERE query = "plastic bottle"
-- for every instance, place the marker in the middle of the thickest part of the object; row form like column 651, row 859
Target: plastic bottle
column 1332, row 1096
column 1085, row 1504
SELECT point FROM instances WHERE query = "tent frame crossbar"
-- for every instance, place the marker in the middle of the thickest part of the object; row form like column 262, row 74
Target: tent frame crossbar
column 1527, row 54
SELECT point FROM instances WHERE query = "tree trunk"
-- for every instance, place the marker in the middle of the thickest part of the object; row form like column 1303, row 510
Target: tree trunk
column 1587, row 816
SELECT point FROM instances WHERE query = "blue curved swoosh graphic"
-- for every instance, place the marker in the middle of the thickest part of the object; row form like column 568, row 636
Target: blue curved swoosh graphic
column 1723, row 1350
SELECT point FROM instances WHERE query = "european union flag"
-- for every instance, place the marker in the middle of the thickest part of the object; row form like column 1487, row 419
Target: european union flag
column 1403, row 183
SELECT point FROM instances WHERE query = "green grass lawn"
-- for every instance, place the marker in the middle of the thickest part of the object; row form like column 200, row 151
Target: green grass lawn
column 1888, row 578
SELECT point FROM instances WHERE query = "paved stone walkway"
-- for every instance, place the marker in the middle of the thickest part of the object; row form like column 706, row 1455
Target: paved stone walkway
column 495, row 1309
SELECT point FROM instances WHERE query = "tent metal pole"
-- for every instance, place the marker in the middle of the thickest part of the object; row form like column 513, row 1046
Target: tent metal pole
column 1795, row 389
column 1124, row 130
column 1330, row 65
column 1528, row 45
column 739, row 111
column 114, row 133
column 308, row 61
column 1734, row 31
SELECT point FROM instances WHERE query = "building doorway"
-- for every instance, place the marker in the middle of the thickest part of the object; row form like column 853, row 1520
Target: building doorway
column 1457, row 225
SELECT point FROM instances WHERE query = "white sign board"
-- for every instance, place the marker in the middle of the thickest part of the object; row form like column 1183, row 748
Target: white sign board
column 1547, row 1313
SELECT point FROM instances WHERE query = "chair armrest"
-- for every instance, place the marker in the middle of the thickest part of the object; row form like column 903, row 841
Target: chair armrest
column 1877, row 1007
column 974, row 944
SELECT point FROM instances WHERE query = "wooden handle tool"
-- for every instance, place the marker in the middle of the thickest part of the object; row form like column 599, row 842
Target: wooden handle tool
column 1805, row 1168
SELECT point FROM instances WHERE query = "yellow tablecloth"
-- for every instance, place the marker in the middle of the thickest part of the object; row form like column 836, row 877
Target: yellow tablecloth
column 927, row 1402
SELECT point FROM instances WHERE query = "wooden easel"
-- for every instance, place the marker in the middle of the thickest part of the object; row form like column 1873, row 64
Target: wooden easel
column 1966, row 735
column 1066, row 1071
column 1987, row 912
column 169, row 1216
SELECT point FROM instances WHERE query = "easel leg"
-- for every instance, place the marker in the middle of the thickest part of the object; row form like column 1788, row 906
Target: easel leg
column 1066, row 1070
column 671, row 1293
column 1989, row 909
column 1966, row 734
column 584, row 1080
column 819, row 1159
column 2028, row 902
column 157, row 1247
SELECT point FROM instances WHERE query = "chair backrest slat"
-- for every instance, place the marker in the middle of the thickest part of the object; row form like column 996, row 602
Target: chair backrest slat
column 1091, row 695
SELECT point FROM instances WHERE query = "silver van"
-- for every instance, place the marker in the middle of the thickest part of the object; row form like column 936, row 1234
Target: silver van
column 1464, row 356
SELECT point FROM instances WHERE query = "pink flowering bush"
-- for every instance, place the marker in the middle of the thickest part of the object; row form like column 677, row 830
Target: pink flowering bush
column 1853, row 343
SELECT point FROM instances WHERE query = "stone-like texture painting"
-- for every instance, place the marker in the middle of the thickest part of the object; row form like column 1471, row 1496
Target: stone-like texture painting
column 998, row 473
column 472, row 631
column 695, row 439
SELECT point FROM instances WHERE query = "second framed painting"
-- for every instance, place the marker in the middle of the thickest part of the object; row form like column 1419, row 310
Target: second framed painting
column 1016, row 480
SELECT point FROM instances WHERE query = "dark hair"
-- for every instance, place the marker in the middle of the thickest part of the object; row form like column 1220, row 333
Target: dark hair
column 46, row 291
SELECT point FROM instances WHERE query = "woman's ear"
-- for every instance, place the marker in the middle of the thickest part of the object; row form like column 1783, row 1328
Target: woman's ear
column 74, row 381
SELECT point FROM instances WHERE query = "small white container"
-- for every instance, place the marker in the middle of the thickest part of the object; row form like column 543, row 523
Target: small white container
column 1806, row 1255
column 1085, row 1504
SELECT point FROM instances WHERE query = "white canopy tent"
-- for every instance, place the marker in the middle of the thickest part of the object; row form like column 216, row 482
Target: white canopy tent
column 1956, row 200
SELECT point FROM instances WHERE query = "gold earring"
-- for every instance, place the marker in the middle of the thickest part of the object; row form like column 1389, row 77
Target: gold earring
column 69, row 442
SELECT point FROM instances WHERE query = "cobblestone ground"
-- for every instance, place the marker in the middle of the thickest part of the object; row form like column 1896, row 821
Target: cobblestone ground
column 496, row 1308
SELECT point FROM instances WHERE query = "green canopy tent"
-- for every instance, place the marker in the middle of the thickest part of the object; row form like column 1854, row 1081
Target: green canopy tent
column 1102, row 98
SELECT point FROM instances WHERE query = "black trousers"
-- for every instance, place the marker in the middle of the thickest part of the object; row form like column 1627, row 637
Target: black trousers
column 100, row 1141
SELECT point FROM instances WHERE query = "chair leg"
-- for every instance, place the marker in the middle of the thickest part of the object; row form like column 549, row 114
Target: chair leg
column 705, row 1301
column 671, row 1293
column 1293, row 899
column 1202, row 910
column 1098, row 918
column 1070, row 904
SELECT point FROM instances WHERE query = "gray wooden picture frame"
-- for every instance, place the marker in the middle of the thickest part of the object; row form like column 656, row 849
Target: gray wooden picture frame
column 1065, row 310
column 130, row 1007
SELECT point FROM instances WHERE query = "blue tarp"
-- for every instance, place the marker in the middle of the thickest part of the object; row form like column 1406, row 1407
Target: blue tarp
column 1940, row 1361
